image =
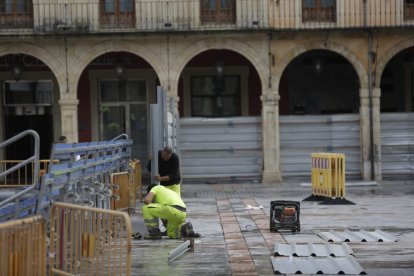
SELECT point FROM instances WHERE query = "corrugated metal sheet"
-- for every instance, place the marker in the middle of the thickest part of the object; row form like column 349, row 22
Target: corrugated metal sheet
column 357, row 236
column 317, row 265
column 397, row 145
column 302, row 135
column 221, row 149
column 313, row 249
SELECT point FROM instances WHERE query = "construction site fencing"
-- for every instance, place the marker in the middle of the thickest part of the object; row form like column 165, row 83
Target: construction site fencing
column 23, row 176
column 82, row 176
column 23, row 247
column 328, row 175
column 89, row 241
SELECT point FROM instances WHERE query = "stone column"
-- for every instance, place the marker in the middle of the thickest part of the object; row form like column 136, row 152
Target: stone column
column 365, row 134
column 376, row 126
column 271, row 141
column 69, row 118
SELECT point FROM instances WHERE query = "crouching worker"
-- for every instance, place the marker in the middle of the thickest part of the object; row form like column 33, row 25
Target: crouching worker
column 163, row 203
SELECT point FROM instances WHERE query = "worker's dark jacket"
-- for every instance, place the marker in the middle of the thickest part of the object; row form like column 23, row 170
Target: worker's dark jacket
column 171, row 167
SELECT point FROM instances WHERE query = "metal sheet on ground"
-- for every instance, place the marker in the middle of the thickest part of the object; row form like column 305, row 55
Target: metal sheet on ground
column 318, row 265
column 313, row 249
column 357, row 236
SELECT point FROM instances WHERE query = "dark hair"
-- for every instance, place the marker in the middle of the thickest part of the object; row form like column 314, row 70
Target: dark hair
column 62, row 138
column 167, row 149
column 149, row 188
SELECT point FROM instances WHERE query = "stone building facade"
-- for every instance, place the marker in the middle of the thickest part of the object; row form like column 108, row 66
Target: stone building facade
column 284, row 62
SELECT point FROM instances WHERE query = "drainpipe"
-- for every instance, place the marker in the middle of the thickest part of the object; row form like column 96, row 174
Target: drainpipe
column 371, row 120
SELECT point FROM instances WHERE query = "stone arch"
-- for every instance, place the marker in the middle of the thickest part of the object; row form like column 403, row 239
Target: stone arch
column 317, row 45
column 386, row 58
column 79, row 64
column 46, row 57
column 221, row 44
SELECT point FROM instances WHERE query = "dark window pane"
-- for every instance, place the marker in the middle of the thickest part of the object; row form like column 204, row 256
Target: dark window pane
column 136, row 91
column 109, row 6
column 112, row 91
column 327, row 3
column 20, row 6
column 309, row 3
column 215, row 96
column 211, row 4
column 125, row 5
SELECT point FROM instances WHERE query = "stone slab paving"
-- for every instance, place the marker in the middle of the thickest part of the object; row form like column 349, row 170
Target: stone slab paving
column 236, row 241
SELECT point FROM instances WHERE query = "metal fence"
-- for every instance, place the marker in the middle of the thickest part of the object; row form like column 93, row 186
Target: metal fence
column 23, row 247
column 82, row 176
column 22, row 176
column 196, row 15
column 89, row 241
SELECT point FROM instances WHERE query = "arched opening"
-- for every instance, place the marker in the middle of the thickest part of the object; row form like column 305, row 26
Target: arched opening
column 220, row 126
column 319, row 105
column 114, row 92
column 219, row 83
column 319, row 82
column 397, row 83
column 397, row 116
column 29, row 100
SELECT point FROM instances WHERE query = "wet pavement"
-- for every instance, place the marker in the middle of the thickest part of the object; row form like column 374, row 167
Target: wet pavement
column 237, row 241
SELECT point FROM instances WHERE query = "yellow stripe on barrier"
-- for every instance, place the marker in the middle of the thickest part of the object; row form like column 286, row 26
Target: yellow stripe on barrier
column 89, row 241
column 328, row 175
column 23, row 247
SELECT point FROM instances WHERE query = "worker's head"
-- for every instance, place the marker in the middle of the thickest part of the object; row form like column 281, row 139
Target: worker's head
column 62, row 139
column 150, row 186
column 166, row 153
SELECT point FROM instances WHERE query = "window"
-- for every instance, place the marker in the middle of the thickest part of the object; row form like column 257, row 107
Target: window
column 28, row 93
column 213, row 96
column 16, row 13
column 218, row 11
column 319, row 10
column 117, row 13
column 408, row 9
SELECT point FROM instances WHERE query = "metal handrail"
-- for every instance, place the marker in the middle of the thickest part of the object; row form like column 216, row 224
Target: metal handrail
column 34, row 158
column 123, row 136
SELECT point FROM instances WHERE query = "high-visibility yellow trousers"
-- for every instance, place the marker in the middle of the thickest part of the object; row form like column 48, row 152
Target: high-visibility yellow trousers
column 174, row 217
column 175, row 187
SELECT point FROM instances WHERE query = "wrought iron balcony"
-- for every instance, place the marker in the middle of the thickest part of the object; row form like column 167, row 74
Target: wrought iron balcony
column 102, row 16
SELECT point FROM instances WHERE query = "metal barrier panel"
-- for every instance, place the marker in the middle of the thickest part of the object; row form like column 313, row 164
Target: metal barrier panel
column 302, row 135
column 23, row 247
column 328, row 174
column 221, row 149
column 397, row 145
column 24, row 175
column 122, row 189
column 89, row 241
column 136, row 168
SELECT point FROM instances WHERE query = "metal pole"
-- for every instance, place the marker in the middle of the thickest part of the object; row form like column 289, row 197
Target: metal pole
column 162, row 105
column 181, row 249
column 155, row 138
column 371, row 120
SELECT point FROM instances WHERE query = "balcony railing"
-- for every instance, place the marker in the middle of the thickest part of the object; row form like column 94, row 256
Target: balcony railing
column 199, row 15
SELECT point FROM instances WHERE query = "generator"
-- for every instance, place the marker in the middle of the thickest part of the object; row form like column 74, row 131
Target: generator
column 284, row 215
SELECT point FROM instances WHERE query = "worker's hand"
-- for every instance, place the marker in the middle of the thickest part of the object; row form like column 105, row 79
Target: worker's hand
column 157, row 178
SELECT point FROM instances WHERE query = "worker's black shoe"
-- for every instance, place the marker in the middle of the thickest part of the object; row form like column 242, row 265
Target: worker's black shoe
column 136, row 235
column 154, row 234
column 187, row 231
column 153, row 237
column 164, row 233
